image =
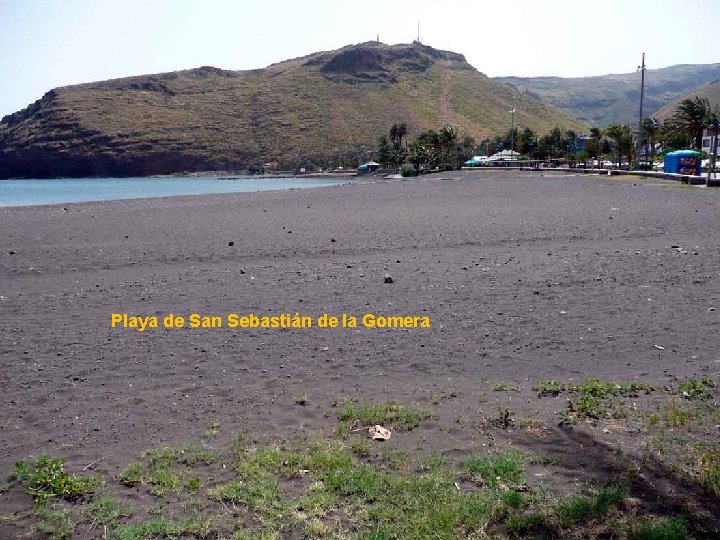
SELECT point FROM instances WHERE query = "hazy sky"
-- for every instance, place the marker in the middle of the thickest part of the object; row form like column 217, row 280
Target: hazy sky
column 50, row 43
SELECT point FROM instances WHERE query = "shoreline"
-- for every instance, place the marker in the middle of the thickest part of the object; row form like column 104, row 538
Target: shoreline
column 221, row 175
column 339, row 182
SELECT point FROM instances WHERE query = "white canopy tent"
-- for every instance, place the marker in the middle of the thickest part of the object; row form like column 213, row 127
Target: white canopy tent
column 505, row 155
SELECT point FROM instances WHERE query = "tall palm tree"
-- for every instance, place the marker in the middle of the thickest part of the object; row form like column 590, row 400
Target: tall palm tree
column 425, row 150
column 650, row 128
column 448, row 143
column 526, row 141
column 398, row 133
column 555, row 138
column 569, row 143
column 595, row 145
column 689, row 118
column 596, row 136
column 621, row 136
column 467, row 147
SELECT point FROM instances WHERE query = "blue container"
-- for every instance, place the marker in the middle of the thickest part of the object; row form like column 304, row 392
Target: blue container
column 683, row 162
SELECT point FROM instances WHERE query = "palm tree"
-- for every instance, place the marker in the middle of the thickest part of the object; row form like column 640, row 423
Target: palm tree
column 526, row 141
column 397, row 134
column 384, row 153
column 569, row 143
column 689, row 118
column 555, row 138
column 596, row 135
column 467, row 147
column 621, row 136
column 650, row 128
column 448, row 143
column 670, row 138
column 424, row 152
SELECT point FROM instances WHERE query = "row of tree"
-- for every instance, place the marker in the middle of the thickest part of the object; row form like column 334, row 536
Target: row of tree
column 446, row 149
column 685, row 127
column 555, row 144
column 431, row 149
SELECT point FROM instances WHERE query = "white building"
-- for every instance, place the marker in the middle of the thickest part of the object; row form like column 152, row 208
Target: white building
column 707, row 141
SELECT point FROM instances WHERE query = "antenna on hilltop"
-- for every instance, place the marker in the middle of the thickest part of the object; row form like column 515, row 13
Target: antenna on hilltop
column 418, row 38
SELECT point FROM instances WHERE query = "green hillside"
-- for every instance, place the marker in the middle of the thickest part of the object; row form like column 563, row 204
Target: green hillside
column 711, row 92
column 612, row 99
column 328, row 105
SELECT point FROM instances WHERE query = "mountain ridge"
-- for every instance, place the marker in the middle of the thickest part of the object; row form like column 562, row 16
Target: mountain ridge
column 615, row 98
column 710, row 91
column 327, row 105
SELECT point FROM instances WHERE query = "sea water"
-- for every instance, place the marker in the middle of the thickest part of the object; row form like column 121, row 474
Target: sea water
column 68, row 190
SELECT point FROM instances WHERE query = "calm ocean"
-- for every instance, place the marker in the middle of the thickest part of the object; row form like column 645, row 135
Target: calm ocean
column 54, row 191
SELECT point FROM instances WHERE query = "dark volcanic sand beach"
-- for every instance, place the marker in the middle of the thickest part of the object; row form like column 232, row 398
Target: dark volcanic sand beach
column 524, row 278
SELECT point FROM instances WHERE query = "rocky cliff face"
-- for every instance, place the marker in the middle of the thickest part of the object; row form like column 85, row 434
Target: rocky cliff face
column 328, row 104
column 369, row 62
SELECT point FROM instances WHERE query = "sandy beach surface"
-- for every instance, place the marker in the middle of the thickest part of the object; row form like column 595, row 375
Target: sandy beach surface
column 523, row 278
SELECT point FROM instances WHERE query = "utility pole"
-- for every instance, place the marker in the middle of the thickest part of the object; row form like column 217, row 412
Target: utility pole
column 642, row 95
column 512, row 132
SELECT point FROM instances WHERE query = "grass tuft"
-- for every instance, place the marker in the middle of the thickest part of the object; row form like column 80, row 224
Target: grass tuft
column 105, row 510
column 696, row 389
column 45, row 477
column 672, row 528
column 505, row 468
column 591, row 399
column 388, row 414
column 133, row 475
column 579, row 508
column 166, row 528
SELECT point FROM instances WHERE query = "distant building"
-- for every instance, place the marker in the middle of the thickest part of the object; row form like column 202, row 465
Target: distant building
column 370, row 166
column 707, row 140
column 505, row 155
column 581, row 143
